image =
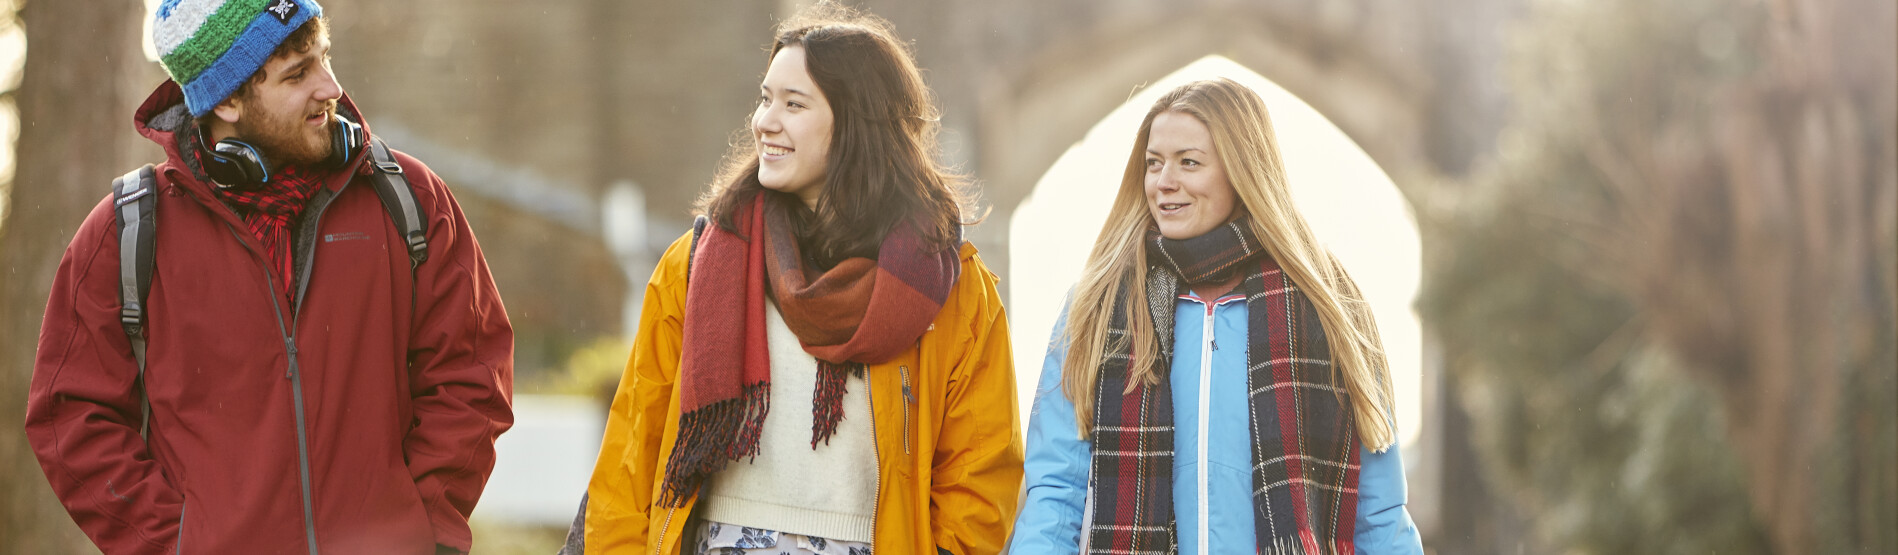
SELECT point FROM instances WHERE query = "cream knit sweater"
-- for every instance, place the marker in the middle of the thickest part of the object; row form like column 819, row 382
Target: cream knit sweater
column 828, row 492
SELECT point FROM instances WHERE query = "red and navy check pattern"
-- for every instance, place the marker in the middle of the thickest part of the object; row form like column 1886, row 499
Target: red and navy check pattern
column 1304, row 448
column 1133, row 456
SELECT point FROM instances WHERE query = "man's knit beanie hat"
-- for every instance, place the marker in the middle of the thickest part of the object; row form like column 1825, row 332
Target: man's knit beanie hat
column 211, row 47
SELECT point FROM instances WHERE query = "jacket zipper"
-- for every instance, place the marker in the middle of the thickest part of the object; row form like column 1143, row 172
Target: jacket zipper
column 909, row 398
column 296, row 382
column 1205, row 410
column 178, row 547
column 876, row 501
column 660, row 545
column 296, row 389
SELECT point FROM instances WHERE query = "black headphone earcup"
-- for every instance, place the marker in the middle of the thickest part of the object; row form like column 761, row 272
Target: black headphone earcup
column 234, row 163
column 346, row 138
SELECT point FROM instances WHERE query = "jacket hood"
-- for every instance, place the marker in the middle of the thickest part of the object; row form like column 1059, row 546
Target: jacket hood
column 164, row 119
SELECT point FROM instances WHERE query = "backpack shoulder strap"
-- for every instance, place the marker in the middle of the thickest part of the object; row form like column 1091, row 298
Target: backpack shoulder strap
column 692, row 251
column 135, row 207
column 398, row 198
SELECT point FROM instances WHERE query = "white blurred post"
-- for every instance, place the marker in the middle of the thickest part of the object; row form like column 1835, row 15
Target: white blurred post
column 623, row 228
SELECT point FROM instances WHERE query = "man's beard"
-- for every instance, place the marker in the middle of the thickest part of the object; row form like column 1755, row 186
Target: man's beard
column 284, row 139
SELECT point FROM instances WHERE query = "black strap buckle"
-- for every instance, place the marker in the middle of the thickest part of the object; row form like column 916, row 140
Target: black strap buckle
column 418, row 248
column 131, row 317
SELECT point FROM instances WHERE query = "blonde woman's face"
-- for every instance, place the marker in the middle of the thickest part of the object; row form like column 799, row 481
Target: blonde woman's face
column 1186, row 186
column 792, row 128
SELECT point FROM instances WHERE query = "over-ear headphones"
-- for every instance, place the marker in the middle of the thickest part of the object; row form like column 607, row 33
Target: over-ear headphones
column 233, row 163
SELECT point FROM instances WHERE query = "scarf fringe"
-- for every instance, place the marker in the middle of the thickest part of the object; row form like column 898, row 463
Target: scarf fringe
column 827, row 406
column 1305, row 543
column 757, row 404
column 1290, row 545
column 712, row 436
column 1285, row 545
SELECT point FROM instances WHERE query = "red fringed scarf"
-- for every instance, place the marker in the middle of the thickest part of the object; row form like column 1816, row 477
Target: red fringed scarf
column 859, row 312
column 270, row 209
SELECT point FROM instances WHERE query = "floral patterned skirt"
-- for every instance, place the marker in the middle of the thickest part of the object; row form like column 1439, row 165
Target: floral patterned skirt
column 718, row 538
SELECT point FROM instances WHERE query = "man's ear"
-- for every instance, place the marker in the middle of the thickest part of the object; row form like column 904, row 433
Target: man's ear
column 230, row 110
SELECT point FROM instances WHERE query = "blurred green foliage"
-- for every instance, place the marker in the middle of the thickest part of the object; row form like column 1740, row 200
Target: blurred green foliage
column 593, row 370
column 498, row 538
column 1669, row 299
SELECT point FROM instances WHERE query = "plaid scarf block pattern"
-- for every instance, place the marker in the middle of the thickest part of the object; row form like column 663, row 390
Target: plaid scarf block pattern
column 854, row 314
column 1133, row 457
column 1304, row 448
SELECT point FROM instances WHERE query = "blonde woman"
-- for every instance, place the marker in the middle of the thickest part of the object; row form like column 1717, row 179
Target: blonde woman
column 1216, row 385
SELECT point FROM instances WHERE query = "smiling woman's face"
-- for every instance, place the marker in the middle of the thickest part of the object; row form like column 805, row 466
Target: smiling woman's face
column 1187, row 191
column 792, row 128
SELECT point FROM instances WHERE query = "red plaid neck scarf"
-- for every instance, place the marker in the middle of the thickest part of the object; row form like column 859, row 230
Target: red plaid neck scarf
column 1305, row 451
column 859, row 312
column 270, row 209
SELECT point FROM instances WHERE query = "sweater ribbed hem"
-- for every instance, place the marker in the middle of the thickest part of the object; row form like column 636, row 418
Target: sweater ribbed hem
column 784, row 518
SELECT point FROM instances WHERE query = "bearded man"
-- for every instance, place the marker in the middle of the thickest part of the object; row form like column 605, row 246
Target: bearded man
column 296, row 373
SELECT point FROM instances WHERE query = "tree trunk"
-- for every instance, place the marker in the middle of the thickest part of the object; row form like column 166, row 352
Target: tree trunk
column 85, row 73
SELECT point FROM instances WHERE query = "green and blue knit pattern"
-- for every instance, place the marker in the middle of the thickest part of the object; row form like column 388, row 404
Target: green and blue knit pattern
column 210, row 47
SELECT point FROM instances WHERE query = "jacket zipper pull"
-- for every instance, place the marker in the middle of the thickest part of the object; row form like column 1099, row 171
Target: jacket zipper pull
column 291, row 370
column 908, row 399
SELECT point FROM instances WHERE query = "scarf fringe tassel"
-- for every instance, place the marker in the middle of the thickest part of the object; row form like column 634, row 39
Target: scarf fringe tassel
column 827, row 406
column 711, row 436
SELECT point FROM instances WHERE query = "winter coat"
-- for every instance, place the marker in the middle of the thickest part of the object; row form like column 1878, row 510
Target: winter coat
column 1212, row 479
column 948, row 440
column 378, row 392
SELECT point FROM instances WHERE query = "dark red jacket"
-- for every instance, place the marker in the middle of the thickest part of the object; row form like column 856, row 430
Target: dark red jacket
column 402, row 384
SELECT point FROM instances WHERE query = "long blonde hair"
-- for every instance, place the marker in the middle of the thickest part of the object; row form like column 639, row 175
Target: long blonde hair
column 1242, row 136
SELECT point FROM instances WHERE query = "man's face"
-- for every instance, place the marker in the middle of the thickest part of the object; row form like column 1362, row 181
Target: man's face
column 288, row 114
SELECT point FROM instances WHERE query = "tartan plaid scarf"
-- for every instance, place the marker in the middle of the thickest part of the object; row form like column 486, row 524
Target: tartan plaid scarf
column 1304, row 449
column 859, row 312
column 270, row 209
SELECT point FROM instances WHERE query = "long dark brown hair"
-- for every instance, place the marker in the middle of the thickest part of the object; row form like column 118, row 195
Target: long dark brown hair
column 881, row 169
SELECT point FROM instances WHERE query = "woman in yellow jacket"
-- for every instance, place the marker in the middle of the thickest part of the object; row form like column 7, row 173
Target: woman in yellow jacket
column 827, row 370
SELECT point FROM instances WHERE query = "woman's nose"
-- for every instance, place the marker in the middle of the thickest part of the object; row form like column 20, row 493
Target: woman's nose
column 1167, row 181
column 766, row 120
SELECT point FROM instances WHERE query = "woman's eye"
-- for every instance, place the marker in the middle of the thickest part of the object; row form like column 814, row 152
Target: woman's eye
column 795, row 105
column 1189, row 162
column 1153, row 163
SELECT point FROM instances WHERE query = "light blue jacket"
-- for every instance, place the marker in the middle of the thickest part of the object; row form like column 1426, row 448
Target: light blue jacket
column 1210, row 373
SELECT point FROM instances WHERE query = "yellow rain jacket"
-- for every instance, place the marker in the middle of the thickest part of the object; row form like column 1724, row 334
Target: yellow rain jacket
column 949, row 456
